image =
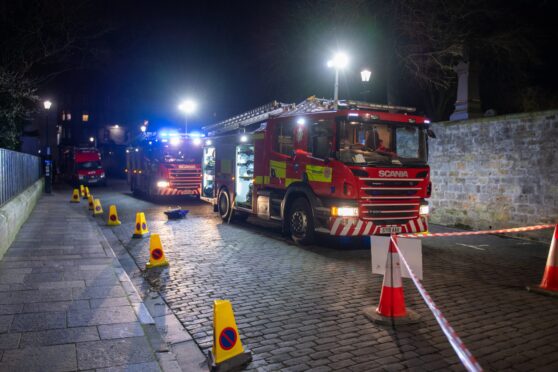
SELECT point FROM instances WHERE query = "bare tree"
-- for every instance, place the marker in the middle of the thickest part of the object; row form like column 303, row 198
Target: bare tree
column 40, row 40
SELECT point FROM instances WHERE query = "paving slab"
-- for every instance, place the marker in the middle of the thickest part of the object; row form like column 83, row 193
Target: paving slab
column 60, row 336
column 112, row 353
column 103, row 315
column 120, row 330
column 45, row 358
column 38, row 321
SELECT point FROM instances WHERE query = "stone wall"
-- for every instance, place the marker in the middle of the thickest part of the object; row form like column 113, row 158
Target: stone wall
column 15, row 212
column 496, row 172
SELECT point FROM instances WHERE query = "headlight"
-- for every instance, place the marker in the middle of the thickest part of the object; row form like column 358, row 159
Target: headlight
column 102, row 175
column 162, row 184
column 424, row 209
column 344, row 212
column 80, row 177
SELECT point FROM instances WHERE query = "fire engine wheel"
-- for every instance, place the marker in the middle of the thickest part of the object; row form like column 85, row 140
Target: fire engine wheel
column 300, row 222
column 224, row 205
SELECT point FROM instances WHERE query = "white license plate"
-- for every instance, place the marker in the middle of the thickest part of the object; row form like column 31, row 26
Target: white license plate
column 390, row 230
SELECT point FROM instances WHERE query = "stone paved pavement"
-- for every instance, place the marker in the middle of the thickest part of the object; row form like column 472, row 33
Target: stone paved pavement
column 300, row 308
column 65, row 302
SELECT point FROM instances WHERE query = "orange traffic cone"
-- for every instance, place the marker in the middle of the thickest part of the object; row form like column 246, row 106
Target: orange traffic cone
column 391, row 309
column 75, row 196
column 549, row 282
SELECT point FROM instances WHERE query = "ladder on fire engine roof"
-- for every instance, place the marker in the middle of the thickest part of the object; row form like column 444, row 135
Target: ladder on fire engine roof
column 311, row 104
column 264, row 112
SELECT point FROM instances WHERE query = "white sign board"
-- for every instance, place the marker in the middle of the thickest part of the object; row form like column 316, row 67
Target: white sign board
column 411, row 249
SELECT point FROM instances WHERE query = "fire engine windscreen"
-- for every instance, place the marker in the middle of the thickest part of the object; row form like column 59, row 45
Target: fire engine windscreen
column 89, row 165
column 367, row 143
column 185, row 153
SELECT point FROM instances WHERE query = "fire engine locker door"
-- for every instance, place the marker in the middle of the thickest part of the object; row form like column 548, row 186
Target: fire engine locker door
column 208, row 169
column 244, row 175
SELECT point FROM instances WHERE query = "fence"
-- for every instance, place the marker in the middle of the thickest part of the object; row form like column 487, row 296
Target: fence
column 18, row 171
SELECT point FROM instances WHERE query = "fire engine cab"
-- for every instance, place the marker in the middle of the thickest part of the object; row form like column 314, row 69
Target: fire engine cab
column 360, row 169
column 161, row 164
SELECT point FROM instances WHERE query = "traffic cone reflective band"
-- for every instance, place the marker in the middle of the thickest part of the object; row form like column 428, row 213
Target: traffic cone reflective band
column 549, row 281
column 97, row 207
column 90, row 201
column 113, row 216
column 227, row 352
column 156, row 255
column 392, row 301
column 86, row 192
column 75, row 196
column 140, row 229
column 82, row 190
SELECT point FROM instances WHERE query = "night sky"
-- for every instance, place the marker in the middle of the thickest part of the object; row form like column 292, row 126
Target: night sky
column 230, row 57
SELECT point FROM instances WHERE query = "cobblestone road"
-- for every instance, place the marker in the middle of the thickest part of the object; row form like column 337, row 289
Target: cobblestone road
column 300, row 309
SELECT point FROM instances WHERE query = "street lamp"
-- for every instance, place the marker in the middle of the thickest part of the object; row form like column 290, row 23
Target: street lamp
column 339, row 62
column 143, row 128
column 187, row 107
column 365, row 75
column 48, row 158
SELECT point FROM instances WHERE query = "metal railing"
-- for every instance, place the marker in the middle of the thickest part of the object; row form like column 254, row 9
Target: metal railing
column 18, row 171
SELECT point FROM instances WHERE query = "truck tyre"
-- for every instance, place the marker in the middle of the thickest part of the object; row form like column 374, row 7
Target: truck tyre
column 300, row 222
column 224, row 205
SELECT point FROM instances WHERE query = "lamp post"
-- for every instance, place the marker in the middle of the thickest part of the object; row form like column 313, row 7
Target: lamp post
column 48, row 158
column 339, row 62
column 187, row 107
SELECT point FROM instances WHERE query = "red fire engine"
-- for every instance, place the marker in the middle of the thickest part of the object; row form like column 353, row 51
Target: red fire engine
column 357, row 170
column 82, row 166
column 165, row 164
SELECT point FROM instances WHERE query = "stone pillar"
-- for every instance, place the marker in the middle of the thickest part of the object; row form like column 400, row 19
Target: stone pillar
column 468, row 104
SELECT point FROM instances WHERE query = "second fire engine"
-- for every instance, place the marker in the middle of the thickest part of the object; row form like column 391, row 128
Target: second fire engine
column 357, row 170
column 165, row 163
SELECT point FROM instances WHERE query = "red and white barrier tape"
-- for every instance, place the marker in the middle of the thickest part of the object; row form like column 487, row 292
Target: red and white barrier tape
column 482, row 232
column 461, row 350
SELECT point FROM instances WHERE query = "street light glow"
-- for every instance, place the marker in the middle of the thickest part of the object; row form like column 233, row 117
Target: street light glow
column 365, row 75
column 340, row 61
column 188, row 106
column 91, row 139
column 143, row 128
column 47, row 104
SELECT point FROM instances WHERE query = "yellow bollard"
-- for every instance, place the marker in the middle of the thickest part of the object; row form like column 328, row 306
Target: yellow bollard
column 82, row 190
column 156, row 254
column 75, row 196
column 140, row 229
column 227, row 352
column 97, row 207
column 86, row 192
column 113, row 216
column 90, row 201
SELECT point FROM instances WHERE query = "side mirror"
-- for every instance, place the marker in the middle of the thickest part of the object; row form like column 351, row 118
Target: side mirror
column 430, row 133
